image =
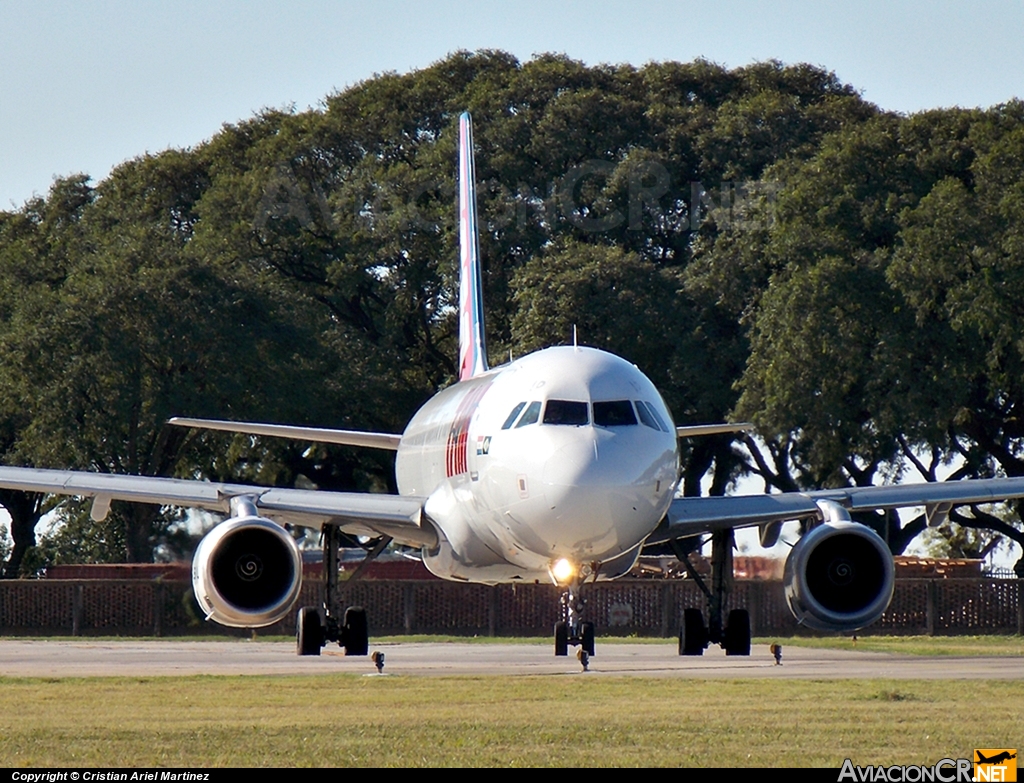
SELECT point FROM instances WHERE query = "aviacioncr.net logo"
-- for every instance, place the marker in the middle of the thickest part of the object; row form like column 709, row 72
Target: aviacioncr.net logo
column 944, row 771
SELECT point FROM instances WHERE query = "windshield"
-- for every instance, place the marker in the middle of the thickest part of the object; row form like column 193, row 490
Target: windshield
column 616, row 413
column 566, row 412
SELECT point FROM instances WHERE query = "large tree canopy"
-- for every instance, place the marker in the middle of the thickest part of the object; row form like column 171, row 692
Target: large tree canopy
column 761, row 241
column 881, row 306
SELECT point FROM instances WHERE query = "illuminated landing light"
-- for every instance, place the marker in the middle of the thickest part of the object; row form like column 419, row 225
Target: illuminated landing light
column 562, row 570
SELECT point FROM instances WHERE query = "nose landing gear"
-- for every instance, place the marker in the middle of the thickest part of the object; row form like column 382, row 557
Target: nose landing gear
column 572, row 629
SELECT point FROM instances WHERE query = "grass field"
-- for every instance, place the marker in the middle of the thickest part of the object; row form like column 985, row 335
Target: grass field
column 345, row 720
column 918, row 645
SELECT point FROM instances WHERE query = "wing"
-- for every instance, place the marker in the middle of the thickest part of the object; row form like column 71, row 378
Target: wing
column 375, row 440
column 696, row 430
column 397, row 516
column 693, row 516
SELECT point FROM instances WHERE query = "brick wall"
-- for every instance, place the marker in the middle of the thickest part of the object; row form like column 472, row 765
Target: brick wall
column 646, row 607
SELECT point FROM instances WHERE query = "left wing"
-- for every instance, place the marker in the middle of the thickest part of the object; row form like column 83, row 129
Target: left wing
column 693, row 516
column 696, row 430
column 397, row 516
column 840, row 575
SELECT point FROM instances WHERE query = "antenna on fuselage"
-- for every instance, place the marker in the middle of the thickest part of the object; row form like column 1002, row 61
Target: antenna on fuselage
column 574, row 343
column 472, row 346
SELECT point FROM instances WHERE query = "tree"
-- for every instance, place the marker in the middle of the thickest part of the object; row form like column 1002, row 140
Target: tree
column 35, row 244
column 882, row 309
column 138, row 330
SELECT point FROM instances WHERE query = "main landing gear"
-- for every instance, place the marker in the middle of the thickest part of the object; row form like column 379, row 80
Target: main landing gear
column 316, row 626
column 734, row 635
column 572, row 629
column 695, row 637
column 311, row 633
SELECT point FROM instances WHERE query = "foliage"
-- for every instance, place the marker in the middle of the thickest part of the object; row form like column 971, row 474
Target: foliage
column 762, row 241
column 950, row 540
column 73, row 537
column 5, row 542
column 881, row 308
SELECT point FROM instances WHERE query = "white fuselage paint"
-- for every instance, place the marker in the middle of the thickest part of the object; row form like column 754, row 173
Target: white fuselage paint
column 510, row 502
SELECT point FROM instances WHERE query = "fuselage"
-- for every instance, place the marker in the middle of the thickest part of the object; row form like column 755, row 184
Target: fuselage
column 568, row 453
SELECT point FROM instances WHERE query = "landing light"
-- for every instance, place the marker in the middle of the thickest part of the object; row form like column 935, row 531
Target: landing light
column 562, row 570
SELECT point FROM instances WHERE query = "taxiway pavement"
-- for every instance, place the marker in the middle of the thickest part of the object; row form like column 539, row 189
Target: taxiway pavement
column 101, row 657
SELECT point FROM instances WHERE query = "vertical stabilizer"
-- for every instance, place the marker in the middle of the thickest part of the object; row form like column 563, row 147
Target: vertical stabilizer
column 472, row 348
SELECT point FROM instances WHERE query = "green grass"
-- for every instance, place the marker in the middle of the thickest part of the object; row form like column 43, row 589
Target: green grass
column 345, row 720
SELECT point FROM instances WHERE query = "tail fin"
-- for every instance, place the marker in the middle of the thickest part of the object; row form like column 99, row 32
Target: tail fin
column 472, row 347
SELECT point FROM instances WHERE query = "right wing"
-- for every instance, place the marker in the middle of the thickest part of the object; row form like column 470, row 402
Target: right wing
column 689, row 516
column 358, row 513
column 374, row 440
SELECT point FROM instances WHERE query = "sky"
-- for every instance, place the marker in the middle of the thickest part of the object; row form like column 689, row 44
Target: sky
column 86, row 85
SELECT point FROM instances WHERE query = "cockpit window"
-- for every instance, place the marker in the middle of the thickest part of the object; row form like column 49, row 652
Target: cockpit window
column 531, row 416
column 649, row 416
column 617, row 413
column 657, row 416
column 512, row 416
column 566, row 412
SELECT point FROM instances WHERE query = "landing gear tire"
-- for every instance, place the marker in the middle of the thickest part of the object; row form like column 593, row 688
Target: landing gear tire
column 561, row 639
column 737, row 633
column 587, row 638
column 693, row 637
column 354, row 636
column 309, row 632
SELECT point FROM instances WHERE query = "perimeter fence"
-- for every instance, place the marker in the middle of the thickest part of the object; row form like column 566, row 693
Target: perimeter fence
column 642, row 607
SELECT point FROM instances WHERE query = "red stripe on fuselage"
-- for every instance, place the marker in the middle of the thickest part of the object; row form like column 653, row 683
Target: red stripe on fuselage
column 456, row 455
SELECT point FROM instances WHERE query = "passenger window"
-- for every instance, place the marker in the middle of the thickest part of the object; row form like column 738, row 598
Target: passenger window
column 512, row 416
column 531, row 416
column 648, row 416
column 617, row 413
column 566, row 412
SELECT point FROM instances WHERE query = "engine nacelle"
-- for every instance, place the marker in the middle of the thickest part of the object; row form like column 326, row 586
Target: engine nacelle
column 839, row 577
column 246, row 572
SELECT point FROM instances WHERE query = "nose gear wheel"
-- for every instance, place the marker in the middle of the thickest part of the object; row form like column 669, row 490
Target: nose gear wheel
column 572, row 629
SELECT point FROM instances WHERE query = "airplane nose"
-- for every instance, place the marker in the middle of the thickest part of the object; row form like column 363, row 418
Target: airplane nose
column 573, row 462
column 601, row 492
column 602, row 458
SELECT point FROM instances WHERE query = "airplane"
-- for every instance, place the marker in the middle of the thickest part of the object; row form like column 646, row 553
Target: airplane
column 996, row 759
column 560, row 466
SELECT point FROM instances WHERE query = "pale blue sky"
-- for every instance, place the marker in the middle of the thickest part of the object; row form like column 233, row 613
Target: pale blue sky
column 86, row 85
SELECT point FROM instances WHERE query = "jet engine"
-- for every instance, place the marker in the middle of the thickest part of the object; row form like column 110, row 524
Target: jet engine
column 246, row 572
column 839, row 577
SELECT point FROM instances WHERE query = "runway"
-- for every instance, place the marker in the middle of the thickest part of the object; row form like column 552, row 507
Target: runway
column 108, row 658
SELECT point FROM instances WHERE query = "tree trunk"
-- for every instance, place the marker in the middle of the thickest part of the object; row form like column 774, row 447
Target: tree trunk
column 25, row 509
column 138, row 533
